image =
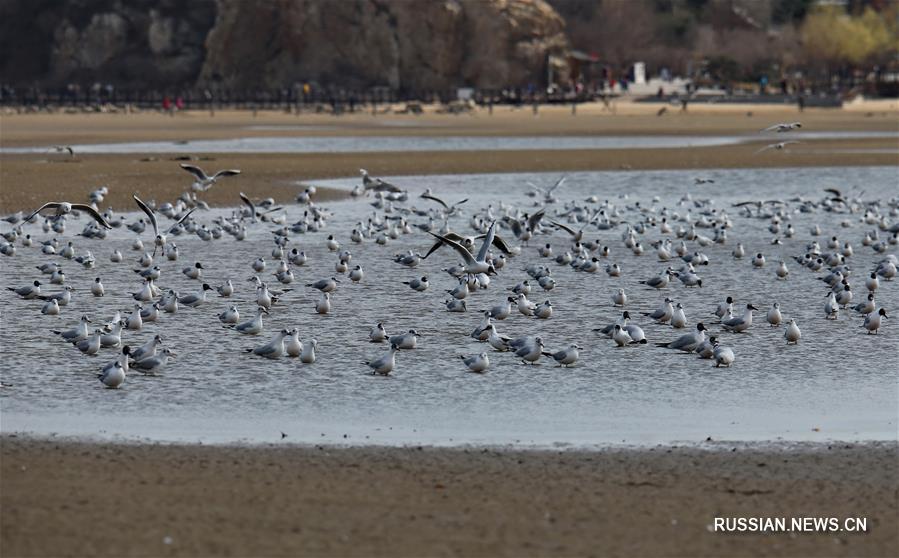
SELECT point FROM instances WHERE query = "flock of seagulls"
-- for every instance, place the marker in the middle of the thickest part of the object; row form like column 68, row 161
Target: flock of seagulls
column 485, row 250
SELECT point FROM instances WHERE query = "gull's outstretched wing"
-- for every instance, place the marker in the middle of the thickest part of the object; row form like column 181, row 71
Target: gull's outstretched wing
column 149, row 212
column 466, row 255
column 48, row 205
column 196, row 171
column 181, row 220
column 535, row 218
column 558, row 183
column 565, row 228
column 436, row 199
column 247, row 201
column 488, row 240
column 227, row 172
column 92, row 212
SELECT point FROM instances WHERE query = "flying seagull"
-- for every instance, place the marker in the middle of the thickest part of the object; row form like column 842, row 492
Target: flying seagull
column 205, row 182
column 783, row 127
column 779, row 146
column 64, row 208
column 64, row 148
column 473, row 264
column 159, row 238
column 449, row 208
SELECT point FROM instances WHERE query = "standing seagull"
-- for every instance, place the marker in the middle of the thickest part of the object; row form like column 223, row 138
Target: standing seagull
column 159, row 238
column 384, row 364
column 64, row 208
column 205, row 182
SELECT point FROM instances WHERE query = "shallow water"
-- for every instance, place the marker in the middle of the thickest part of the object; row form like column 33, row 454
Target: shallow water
column 360, row 144
column 836, row 384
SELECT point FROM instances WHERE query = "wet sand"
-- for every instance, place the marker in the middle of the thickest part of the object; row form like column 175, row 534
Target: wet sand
column 26, row 181
column 68, row 498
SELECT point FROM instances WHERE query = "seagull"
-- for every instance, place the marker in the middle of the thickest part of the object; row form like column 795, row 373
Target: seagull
column 724, row 356
column 274, row 348
column 325, row 285
column 230, row 316
column 774, row 317
column 64, row 208
column 476, row 363
column 159, row 238
column 529, row 349
column 77, row 333
column 448, row 209
column 113, row 375
column 89, row 345
column 473, row 264
column 384, row 364
column 194, row 300
column 308, row 354
column 497, row 341
column 51, row 308
column 205, row 182
column 621, row 336
column 688, row 342
column 146, row 350
column 783, row 127
column 406, row 340
column 378, row 334
column 660, row 281
column 254, row 213
column 872, row 320
column 739, row 324
column 525, row 231
column 64, row 149
column 323, row 305
column 293, row 347
column 27, row 292
column 418, row 284
column 253, row 326
column 547, row 192
column 663, row 313
column 792, row 333
column 779, row 146
column 565, row 357
column 154, row 364
column 376, row 184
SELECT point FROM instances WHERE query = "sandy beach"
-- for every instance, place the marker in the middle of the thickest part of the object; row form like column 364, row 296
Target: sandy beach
column 69, row 498
column 27, row 180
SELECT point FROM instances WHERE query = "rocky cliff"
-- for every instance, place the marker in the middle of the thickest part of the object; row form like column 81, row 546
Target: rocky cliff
column 135, row 42
column 253, row 44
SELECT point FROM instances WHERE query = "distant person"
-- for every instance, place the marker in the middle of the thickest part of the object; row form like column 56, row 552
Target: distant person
column 179, row 103
column 661, row 92
column 166, row 103
column 800, row 100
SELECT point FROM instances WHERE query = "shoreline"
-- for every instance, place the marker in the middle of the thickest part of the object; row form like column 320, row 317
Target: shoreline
column 281, row 176
column 29, row 180
column 373, row 501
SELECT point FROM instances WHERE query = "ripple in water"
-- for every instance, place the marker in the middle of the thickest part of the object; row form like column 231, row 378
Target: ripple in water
column 837, row 380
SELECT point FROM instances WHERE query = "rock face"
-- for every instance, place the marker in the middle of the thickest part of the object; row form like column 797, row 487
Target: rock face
column 136, row 43
column 259, row 44
column 401, row 44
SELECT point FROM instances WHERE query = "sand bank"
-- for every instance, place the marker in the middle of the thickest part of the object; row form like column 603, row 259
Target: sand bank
column 65, row 498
